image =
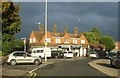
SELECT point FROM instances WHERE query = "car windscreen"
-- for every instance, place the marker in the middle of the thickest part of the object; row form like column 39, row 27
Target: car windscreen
column 65, row 52
column 118, row 54
column 70, row 52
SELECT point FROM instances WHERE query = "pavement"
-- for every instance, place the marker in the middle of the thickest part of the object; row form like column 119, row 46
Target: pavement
column 103, row 65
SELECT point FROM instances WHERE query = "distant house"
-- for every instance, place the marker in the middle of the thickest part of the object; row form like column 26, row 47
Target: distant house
column 62, row 40
column 97, row 47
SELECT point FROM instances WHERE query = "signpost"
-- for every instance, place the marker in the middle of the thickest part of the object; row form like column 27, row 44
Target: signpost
column 24, row 41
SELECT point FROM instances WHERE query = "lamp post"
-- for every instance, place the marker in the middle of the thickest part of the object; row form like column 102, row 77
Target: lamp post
column 24, row 41
column 46, row 30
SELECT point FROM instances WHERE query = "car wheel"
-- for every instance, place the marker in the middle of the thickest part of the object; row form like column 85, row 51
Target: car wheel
column 36, row 62
column 117, row 65
column 13, row 62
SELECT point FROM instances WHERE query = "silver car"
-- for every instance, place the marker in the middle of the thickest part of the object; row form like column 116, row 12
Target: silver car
column 22, row 57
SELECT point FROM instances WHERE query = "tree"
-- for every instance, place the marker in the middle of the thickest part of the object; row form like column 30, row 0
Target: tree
column 90, row 37
column 93, row 36
column 11, row 23
column 108, row 42
column 97, row 33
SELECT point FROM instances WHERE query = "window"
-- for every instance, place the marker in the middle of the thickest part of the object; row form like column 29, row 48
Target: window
column 74, row 41
column 82, row 41
column 34, row 40
column 47, row 40
column 66, row 40
column 30, row 40
column 18, row 54
column 57, row 40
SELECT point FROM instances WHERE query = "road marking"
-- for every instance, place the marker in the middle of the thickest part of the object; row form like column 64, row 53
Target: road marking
column 33, row 74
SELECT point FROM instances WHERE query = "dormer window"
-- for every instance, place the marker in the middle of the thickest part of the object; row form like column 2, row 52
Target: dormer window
column 74, row 41
column 66, row 41
column 82, row 41
column 57, row 40
column 32, row 40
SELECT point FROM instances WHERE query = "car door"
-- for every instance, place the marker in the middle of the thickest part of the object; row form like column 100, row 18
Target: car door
column 27, row 58
column 19, row 57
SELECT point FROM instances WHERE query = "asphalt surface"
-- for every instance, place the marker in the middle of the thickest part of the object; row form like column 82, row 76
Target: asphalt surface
column 78, row 67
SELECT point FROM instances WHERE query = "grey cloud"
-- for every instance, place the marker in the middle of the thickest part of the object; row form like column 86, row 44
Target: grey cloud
column 103, row 15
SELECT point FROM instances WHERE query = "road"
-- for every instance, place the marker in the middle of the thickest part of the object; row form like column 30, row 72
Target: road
column 69, row 68
column 59, row 67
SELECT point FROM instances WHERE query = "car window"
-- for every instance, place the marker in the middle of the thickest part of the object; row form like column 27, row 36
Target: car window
column 18, row 54
column 38, row 51
column 41, row 51
column 28, row 55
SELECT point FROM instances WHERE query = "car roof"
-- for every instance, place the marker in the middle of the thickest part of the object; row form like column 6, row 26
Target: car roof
column 19, row 52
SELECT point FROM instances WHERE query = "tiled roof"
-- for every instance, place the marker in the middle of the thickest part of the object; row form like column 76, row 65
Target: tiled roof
column 39, row 35
column 62, row 35
column 97, row 45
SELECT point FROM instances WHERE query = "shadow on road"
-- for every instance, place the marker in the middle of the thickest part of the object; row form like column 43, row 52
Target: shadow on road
column 103, row 64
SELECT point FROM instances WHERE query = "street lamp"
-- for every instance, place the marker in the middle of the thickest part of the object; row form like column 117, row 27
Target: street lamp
column 24, row 41
column 45, row 30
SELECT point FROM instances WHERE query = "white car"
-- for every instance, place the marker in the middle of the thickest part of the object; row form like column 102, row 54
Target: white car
column 94, row 55
column 22, row 57
column 68, row 54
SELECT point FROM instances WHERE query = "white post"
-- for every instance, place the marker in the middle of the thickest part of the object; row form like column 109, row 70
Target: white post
column 46, row 30
column 24, row 41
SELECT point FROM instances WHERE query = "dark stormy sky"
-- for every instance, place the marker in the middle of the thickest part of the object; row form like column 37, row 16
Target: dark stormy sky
column 84, row 15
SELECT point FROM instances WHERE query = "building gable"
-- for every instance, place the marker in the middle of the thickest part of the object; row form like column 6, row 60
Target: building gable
column 83, row 40
column 33, row 38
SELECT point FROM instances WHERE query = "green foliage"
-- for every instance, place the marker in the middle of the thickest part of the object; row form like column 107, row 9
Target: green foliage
column 11, row 23
column 93, row 36
column 17, row 43
column 108, row 42
column 10, row 18
column 11, row 45
column 96, row 33
column 90, row 37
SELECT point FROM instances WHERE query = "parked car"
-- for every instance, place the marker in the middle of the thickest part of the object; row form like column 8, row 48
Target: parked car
column 56, row 54
column 115, row 60
column 93, row 55
column 101, row 54
column 110, row 55
column 22, row 57
column 68, row 54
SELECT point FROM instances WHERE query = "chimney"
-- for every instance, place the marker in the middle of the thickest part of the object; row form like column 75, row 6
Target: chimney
column 65, row 30
column 41, row 28
column 75, row 30
column 54, row 28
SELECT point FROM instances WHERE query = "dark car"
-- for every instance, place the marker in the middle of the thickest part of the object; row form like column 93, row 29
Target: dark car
column 110, row 55
column 115, row 60
column 102, row 54
column 56, row 54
